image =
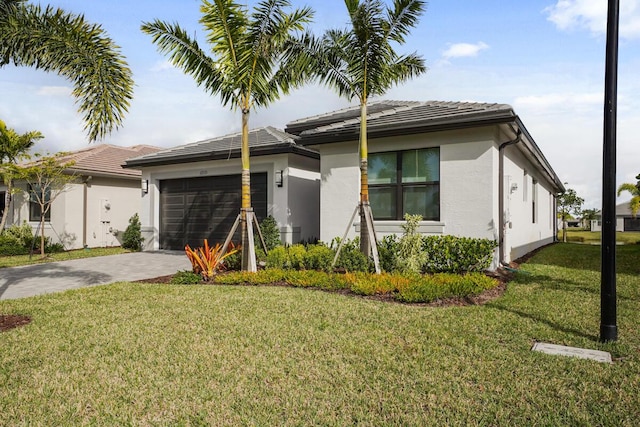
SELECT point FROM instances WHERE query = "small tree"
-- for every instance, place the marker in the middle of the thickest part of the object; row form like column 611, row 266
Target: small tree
column 569, row 203
column 270, row 232
column 132, row 238
column 47, row 178
column 13, row 148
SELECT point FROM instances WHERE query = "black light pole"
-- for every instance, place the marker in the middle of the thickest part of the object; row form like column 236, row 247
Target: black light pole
column 608, row 327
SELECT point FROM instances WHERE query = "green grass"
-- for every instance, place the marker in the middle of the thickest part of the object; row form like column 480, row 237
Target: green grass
column 15, row 261
column 140, row 354
column 627, row 237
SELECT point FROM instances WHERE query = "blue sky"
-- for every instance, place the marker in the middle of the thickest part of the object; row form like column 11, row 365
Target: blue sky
column 543, row 57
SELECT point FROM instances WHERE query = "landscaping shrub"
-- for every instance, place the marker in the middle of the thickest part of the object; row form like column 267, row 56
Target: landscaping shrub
column 207, row 260
column 132, row 237
column 270, row 233
column 451, row 254
column 186, row 277
column 350, row 258
column 278, row 258
column 9, row 247
column 387, row 248
column 319, row 257
column 296, row 255
column 444, row 285
column 410, row 256
column 233, row 261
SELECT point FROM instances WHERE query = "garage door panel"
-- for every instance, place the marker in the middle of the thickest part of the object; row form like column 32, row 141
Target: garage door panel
column 192, row 209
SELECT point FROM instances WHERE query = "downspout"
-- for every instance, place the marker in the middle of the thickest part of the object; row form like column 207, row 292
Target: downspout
column 85, row 209
column 501, row 222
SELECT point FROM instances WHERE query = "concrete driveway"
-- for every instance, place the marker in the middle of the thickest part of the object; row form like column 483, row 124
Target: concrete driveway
column 30, row 280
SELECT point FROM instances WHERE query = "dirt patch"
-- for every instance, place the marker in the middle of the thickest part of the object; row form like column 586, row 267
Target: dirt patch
column 10, row 321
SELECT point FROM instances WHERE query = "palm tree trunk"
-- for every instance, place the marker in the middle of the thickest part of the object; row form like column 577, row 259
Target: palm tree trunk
column 7, row 205
column 365, row 244
column 245, row 189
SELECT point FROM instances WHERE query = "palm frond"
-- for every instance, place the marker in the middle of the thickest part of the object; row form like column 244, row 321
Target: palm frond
column 53, row 40
column 631, row 188
column 402, row 18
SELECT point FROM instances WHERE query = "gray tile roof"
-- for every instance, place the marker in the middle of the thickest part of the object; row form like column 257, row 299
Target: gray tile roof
column 262, row 141
column 396, row 118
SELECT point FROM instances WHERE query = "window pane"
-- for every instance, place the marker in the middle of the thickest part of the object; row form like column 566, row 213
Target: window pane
column 423, row 201
column 382, row 168
column 421, row 165
column 383, row 202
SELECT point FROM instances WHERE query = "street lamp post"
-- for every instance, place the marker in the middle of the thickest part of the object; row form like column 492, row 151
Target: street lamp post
column 608, row 326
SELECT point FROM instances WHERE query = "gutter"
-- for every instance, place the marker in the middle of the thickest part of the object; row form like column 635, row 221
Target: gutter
column 501, row 222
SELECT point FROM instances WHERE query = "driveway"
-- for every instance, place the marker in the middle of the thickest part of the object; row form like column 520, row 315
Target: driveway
column 30, row 280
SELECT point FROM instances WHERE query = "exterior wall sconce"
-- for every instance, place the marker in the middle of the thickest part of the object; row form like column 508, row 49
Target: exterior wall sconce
column 279, row 178
column 145, row 186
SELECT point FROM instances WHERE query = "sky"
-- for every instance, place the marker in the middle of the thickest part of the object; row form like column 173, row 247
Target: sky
column 545, row 58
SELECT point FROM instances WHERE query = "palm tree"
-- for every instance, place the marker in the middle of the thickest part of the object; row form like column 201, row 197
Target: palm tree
column 252, row 64
column 360, row 62
column 634, row 190
column 54, row 40
column 13, row 147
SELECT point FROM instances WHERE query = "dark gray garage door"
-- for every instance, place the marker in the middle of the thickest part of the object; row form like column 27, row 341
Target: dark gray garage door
column 192, row 209
column 632, row 224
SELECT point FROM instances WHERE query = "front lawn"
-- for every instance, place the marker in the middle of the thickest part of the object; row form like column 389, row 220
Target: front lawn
column 149, row 354
column 595, row 237
column 17, row 260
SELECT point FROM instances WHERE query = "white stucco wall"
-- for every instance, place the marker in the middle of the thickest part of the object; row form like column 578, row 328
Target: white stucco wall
column 522, row 234
column 469, row 189
column 293, row 206
column 104, row 227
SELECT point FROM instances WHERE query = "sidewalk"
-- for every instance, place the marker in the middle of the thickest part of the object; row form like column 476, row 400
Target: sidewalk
column 30, row 280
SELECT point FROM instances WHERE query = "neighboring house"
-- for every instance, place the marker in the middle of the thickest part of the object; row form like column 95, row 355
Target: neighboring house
column 95, row 210
column 625, row 221
column 193, row 191
column 470, row 169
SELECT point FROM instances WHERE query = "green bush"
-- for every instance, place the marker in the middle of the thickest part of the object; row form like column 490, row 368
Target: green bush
column 319, row 257
column 186, row 277
column 410, row 258
column 270, row 232
column 278, row 258
column 296, row 255
column 451, row 254
column 444, row 285
column 132, row 237
column 387, row 248
column 9, row 247
column 234, row 261
column 350, row 258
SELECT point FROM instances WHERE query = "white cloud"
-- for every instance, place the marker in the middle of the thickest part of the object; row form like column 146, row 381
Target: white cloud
column 591, row 15
column 162, row 66
column 462, row 50
column 54, row 91
column 574, row 102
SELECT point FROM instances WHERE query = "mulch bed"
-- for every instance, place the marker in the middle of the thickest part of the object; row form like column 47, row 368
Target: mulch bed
column 10, row 321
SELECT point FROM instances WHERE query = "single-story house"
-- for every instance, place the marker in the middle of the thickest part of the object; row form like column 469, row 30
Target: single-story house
column 470, row 169
column 94, row 210
column 193, row 191
column 625, row 221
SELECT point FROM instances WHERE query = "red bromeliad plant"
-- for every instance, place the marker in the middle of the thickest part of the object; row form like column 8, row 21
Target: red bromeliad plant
column 207, row 260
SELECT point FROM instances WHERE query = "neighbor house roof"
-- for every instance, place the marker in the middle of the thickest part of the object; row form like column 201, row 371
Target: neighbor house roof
column 397, row 118
column 262, row 141
column 622, row 209
column 105, row 160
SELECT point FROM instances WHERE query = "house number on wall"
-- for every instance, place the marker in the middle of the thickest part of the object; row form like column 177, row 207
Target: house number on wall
column 204, row 172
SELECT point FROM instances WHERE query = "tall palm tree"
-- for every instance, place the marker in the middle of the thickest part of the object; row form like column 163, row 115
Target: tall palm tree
column 13, row 147
column 54, row 40
column 634, row 190
column 360, row 62
column 251, row 66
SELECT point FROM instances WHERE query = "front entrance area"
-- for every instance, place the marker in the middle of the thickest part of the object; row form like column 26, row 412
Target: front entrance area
column 192, row 209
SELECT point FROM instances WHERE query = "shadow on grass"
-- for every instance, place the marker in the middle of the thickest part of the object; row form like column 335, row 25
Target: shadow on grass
column 539, row 319
column 546, row 282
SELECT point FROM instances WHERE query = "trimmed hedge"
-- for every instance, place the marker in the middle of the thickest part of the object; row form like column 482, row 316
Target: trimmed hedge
column 451, row 254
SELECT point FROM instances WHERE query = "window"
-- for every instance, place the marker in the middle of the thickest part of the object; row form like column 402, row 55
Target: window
column 405, row 182
column 35, row 214
column 534, row 199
